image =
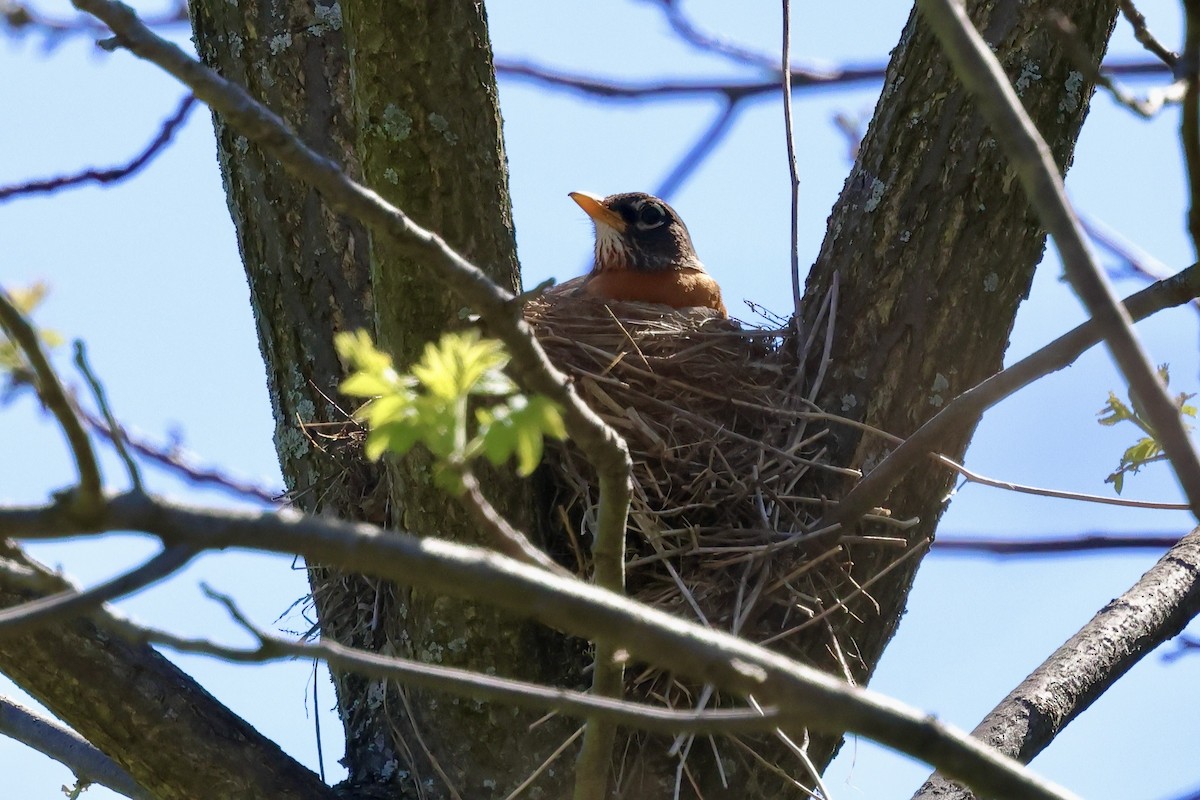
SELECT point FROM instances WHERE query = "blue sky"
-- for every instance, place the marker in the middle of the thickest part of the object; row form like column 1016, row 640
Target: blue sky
column 148, row 274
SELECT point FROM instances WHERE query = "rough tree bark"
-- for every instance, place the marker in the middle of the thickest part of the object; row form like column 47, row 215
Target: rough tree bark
column 934, row 247
column 414, row 113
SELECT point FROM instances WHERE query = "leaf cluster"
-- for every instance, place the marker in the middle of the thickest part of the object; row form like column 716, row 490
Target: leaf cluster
column 1148, row 448
column 456, row 401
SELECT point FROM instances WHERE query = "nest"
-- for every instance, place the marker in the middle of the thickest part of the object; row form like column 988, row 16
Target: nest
column 727, row 458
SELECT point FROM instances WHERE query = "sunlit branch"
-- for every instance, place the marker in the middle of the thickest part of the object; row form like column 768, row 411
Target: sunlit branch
column 797, row 691
column 1152, row 611
column 53, row 739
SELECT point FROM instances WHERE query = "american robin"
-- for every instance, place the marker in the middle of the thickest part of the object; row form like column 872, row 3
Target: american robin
column 644, row 252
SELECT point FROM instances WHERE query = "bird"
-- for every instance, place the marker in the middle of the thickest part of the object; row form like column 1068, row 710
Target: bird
column 645, row 253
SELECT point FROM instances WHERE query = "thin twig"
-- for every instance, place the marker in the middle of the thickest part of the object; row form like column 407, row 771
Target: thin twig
column 962, row 412
column 793, row 169
column 558, row 751
column 695, row 155
column 108, row 175
column 89, row 495
column 118, row 435
column 683, row 88
column 74, row 603
column 1051, row 545
column 504, row 537
column 1142, row 33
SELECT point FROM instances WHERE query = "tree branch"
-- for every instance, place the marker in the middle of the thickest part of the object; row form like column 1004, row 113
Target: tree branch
column 1153, row 610
column 68, row 602
column 54, row 396
column 569, row 605
column 68, row 748
column 964, row 410
column 108, row 175
column 1051, row 545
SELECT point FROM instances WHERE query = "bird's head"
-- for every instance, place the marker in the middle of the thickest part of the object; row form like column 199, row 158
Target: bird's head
column 638, row 231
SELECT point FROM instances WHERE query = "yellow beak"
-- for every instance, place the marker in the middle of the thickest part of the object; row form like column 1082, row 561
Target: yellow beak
column 601, row 214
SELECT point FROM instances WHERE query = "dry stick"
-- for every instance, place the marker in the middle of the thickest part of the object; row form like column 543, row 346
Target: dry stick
column 457, row 681
column 101, row 398
column 52, row 738
column 504, row 537
column 980, row 72
column 1155, row 609
column 111, row 174
column 962, row 412
column 811, row 698
column 1144, row 36
column 602, row 445
column 89, row 495
column 74, row 603
column 793, row 172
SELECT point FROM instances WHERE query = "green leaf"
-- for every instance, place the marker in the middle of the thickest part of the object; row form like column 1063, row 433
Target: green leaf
column 367, row 384
column 397, row 437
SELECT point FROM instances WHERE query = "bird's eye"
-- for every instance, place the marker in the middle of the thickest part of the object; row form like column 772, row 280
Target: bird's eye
column 651, row 215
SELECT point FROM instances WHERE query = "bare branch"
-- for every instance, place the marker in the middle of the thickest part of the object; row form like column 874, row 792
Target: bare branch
column 172, row 458
column 462, row 682
column 793, row 169
column 734, row 89
column 1144, row 36
column 68, row 748
column 90, row 491
column 1184, row 645
column 980, row 72
column 1153, row 610
column 22, row 18
column 696, row 154
column 107, row 175
column 131, row 467
column 505, row 538
column 1147, row 108
column 70, row 602
column 688, row 32
column 569, row 605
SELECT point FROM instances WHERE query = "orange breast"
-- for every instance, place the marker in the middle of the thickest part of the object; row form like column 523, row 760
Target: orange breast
column 676, row 288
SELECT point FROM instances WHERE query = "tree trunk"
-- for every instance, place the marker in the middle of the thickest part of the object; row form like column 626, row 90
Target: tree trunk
column 419, row 122
column 934, row 246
